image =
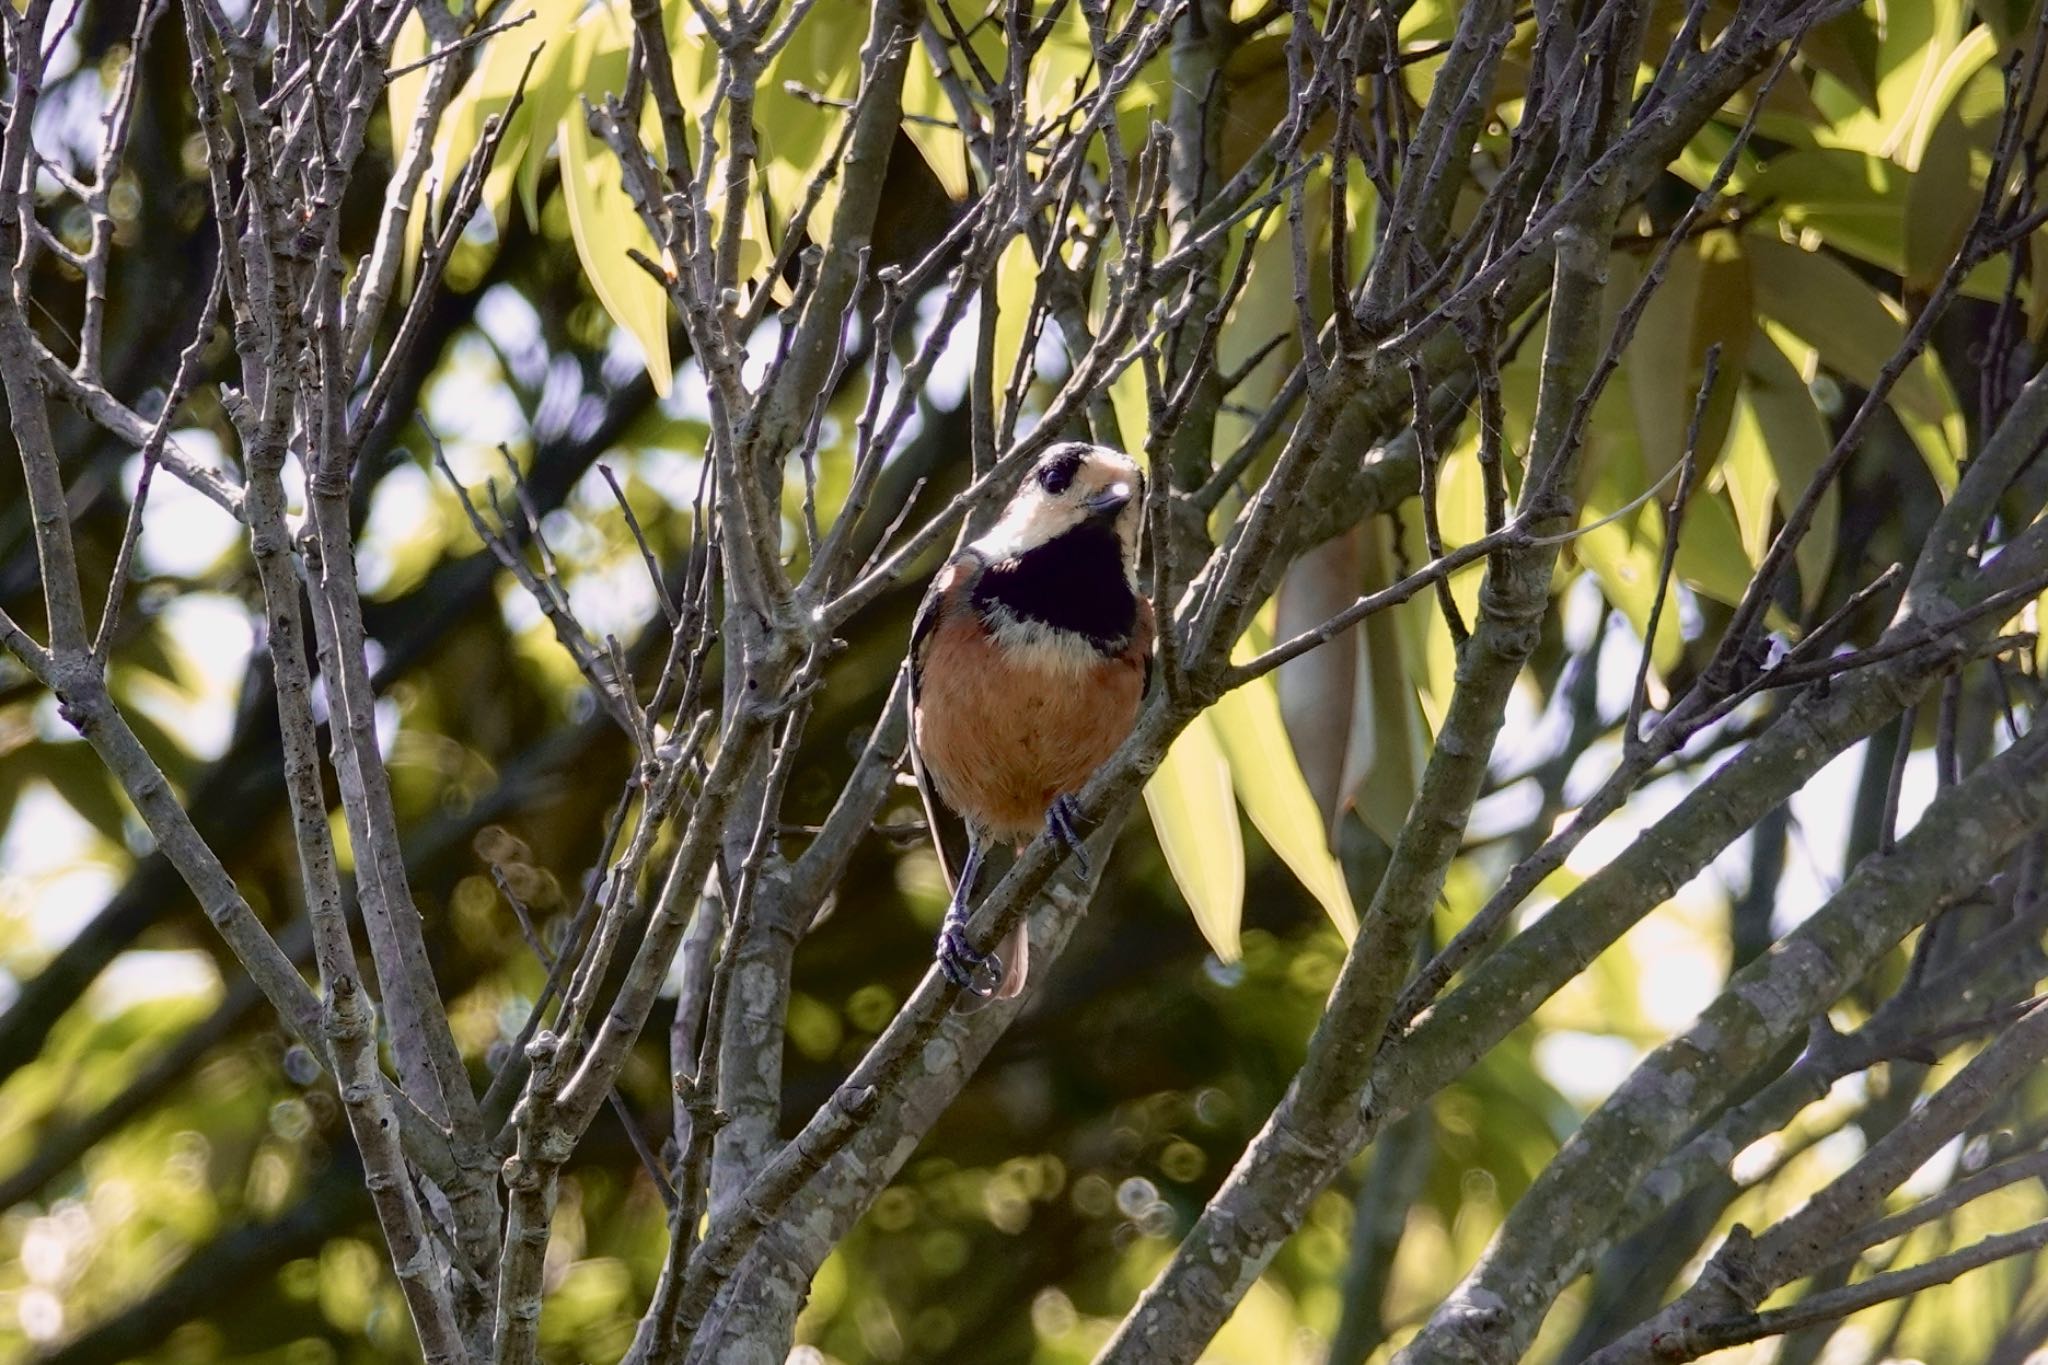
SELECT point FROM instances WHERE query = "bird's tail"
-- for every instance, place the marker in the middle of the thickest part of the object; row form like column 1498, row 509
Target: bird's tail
column 1015, row 955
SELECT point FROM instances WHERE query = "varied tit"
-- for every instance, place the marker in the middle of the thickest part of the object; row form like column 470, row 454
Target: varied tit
column 1028, row 661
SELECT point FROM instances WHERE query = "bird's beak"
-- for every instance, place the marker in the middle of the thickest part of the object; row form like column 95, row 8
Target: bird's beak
column 1109, row 501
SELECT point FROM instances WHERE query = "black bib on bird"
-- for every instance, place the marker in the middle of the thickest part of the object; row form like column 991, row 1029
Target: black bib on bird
column 1062, row 584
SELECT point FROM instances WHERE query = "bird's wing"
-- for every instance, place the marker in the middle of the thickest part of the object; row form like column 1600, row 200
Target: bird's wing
column 920, row 634
column 1144, row 636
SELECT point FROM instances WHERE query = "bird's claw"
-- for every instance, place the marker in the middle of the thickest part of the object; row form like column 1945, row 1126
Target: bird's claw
column 979, row 973
column 1061, row 818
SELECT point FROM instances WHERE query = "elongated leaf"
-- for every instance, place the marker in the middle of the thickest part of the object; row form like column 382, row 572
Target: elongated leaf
column 1941, row 204
column 1795, row 440
column 402, row 95
column 1627, row 571
column 1388, row 746
column 1723, row 316
column 795, row 133
column 605, row 225
column 1828, row 306
column 1914, row 42
column 1660, row 365
column 1016, row 286
column 1846, row 48
column 1751, row 483
column 1853, row 198
column 1711, row 556
column 1964, row 61
column 557, row 75
column 1271, row 789
column 1196, row 823
column 1944, row 440
column 930, row 124
column 1320, row 697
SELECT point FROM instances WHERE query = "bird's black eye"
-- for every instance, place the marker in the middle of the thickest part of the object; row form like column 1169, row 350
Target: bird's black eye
column 1057, row 473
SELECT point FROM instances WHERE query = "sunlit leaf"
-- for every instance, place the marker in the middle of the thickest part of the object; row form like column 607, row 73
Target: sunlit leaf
column 1965, row 60
column 1195, row 819
column 1627, row 569
column 1016, row 286
column 402, row 95
column 1661, row 367
column 1270, row 787
column 1795, row 441
column 1854, row 327
column 1944, row 439
column 930, row 125
column 1321, row 702
column 1914, row 42
column 1711, row 555
column 605, row 226
column 1845, row 47
column 1724, row 316
column 1855, row 200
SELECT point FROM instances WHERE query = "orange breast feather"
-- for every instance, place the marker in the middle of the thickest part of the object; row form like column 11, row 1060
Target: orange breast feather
column 1002, row 735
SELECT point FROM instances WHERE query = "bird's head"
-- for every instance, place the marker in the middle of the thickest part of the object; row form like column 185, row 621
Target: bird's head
column 1075, row 488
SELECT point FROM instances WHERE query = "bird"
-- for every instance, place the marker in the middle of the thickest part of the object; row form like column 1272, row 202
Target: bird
column 1029, row 658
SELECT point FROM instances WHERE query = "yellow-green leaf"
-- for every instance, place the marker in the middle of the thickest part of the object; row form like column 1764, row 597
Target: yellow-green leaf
column 1965, row 61
column 1796, row 441
column 1016, row 287
column 1627, row 572
column 1711, row 555
column 1271, row 788
column 605, row 224
column 1916, row 40
column 1944, row 439
column 402, row 96
column 930, row 124
column 1855, row 200
column 1196, row 823
column 1828, row 306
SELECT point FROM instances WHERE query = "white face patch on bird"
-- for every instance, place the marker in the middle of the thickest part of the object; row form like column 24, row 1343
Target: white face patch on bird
column 1072, row 485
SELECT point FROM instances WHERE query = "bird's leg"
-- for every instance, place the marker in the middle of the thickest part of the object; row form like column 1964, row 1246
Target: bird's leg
column 1060, row 818
column 965, row 968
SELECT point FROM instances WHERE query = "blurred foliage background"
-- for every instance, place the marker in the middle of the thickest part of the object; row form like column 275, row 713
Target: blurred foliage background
column 177, row 1187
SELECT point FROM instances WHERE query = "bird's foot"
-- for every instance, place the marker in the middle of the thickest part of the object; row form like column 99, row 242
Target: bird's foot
column 979, row 973
column 1061, row 818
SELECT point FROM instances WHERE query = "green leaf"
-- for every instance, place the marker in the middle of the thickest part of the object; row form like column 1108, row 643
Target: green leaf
column 930, row 125
column 1941, row 204
column 1914, row 43
column 86, row 786
column 1626, row 569
column 1711, row 557
column 1964, row 62
column 1196, row 823
column 1016, row 287
column 1846, row 48
column 1855, row 328
column 1660, row 367
column 1319, row 693
column 1855, row 200
column 1270, row 786
column 1383, row 766
column 1264, row 309
column 605, row 225
column 1796, row 443
column 402, row 96
column 550, row 91
column 1943, row 441
column 794, row 133
column 1724, row 315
